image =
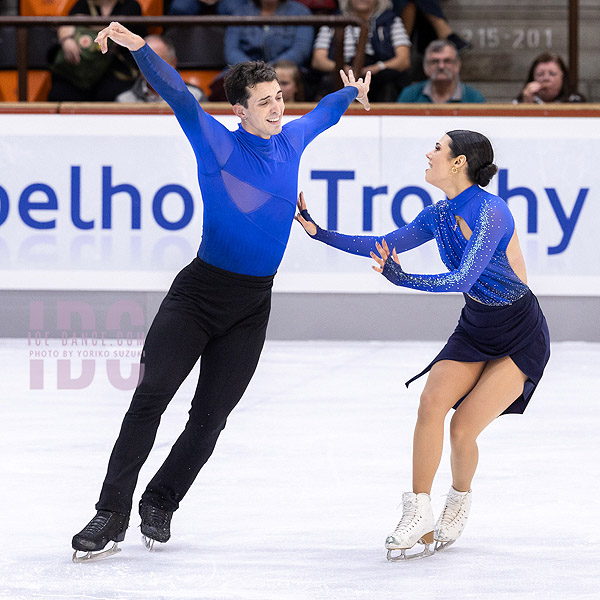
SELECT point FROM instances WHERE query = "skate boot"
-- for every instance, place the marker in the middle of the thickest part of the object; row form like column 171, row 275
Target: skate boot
column 156, row 524
column 105, row 527
column 416, row 526
column 453, row 519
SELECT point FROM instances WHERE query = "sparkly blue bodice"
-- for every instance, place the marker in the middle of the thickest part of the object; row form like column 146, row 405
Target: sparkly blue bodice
column 478, row 266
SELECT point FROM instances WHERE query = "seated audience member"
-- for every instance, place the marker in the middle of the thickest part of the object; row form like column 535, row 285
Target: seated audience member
column 194, row 7
column 204, row 7
column 442, row 68
column 321, row 7
column 387, row 53
column 290, row 81
column 548, row 81
column 141, row 90
column 70, row 79
column 433, row 13
column 273, row 43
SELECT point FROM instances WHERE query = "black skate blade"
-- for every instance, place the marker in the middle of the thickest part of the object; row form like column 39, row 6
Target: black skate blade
column 95, row 556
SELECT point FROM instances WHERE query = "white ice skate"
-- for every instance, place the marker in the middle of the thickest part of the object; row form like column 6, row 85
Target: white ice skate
column 453, row 519
column 415, row 527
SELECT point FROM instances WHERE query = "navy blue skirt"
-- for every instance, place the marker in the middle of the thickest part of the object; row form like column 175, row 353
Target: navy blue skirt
column 483, row 333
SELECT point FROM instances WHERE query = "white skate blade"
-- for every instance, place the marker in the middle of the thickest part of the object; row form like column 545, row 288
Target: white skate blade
column 403, row 556
column 95, row 556
column 148, row 543
column 441, row 546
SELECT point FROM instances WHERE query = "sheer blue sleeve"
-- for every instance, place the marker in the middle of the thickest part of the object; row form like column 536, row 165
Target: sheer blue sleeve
column 494, row 221
column 327, row 113
column 410, row 236
column 212, row 142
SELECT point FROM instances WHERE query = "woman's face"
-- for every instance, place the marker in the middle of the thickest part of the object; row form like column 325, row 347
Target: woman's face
column 550, row 76
column 287, row 83
column 440, row 163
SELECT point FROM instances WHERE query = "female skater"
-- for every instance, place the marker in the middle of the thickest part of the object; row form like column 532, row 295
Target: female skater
column 495, row 358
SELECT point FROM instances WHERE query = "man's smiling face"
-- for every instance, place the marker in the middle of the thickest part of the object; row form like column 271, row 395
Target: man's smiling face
column 264, row 113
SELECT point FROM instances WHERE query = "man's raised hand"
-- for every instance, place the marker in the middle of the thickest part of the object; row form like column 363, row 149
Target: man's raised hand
column 360, row 85
column 119, row 34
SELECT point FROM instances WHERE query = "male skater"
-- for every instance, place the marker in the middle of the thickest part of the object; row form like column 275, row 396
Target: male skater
column 218, row 306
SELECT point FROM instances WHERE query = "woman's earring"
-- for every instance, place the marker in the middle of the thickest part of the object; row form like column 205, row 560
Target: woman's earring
column 454, row 170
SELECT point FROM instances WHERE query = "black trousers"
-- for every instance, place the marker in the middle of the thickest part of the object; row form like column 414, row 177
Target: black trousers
column 208, row 312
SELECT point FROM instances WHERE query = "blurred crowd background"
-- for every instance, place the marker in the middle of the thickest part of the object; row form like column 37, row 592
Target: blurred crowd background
column 418, row 51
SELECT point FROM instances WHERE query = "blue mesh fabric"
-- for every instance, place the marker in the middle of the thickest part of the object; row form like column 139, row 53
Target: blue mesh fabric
column 249, row 184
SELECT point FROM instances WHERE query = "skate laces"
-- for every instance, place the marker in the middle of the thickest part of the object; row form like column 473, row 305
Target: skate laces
column 451, row 509
column 409, row 511
column 97, row 524
column 155, row 517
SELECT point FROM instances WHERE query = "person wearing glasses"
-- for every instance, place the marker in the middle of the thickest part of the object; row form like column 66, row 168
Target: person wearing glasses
column 442, row 67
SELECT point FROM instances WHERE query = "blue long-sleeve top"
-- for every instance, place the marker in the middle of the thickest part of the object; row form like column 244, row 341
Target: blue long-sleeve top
column 269, row 43
column 478, row 266
column 249, row 184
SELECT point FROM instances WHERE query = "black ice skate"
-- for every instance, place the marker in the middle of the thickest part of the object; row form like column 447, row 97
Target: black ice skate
column 105, row 527
column 156, row 524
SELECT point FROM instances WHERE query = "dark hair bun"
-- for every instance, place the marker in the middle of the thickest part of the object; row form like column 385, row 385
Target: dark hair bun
column 484, row 174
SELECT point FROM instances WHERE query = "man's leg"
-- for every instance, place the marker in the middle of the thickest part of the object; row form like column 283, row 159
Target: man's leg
column 226, row 368
column 172, row 347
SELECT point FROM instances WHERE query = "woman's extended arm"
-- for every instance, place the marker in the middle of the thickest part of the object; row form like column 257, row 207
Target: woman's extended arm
column 493, row 223
column 405, row 238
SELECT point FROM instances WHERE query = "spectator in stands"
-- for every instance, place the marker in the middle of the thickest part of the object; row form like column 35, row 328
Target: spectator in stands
column 321, row 7
column 548, row 81
column 196, row 7
column 442, row 68
column 118, row 75
column 269, row 44
column 290, row 81
column 387, row 53
column 229, row 7
column 432, row 11
column 141, row 91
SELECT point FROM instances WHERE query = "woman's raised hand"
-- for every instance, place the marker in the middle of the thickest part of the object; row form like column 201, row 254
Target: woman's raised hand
column 309, row 225
column 384, row 253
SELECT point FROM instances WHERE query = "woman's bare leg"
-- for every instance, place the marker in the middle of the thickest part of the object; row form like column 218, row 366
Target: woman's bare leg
column 448, row 382
column 499, row 386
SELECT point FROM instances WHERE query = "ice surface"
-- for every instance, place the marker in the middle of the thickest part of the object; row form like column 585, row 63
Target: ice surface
column 304, row 485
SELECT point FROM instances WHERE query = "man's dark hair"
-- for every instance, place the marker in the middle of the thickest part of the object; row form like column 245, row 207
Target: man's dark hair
column 244, row 76
column 478, row 151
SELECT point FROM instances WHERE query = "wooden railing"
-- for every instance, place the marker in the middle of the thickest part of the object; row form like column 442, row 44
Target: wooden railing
column 22, row 25
column 574, row 43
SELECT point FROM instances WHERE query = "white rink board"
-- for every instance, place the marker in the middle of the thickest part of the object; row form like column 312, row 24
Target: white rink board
column 69, row 164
